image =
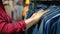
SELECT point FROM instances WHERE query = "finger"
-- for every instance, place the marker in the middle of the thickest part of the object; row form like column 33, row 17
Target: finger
column 46, row 11
column 43, row 12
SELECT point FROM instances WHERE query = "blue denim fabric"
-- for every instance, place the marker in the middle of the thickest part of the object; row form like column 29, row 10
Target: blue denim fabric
column 58, row 27
column 50, row 22
column 39, row 28
column 54, row 28
column 46, row 17
column 41, row 6
column 49, row 16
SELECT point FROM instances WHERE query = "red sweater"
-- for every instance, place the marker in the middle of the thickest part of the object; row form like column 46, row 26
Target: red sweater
column 6, row 25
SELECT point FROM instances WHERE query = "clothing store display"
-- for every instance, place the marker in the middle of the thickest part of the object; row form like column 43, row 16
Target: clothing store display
column 45, row 18
column 50, row 15
column 42, row 25
column 50, row 22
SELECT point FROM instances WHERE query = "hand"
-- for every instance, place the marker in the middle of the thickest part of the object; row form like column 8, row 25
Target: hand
column 36, row 16
column 36, row 13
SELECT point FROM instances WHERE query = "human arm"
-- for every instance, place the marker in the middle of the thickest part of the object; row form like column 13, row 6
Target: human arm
column 7, row 27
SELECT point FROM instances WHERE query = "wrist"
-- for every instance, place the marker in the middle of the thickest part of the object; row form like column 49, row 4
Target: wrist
column 29, row 22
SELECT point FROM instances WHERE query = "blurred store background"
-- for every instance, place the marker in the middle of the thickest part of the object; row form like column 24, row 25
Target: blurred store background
column 17, row 8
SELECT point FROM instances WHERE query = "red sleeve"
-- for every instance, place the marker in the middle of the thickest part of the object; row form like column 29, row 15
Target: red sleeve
column 11, row 27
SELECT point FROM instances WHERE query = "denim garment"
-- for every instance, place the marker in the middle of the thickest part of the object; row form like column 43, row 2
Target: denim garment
column 54, row 28
column 41, row 24
column 49, row 17
column 53, row 13
column 37, row 29
column 41, row 6
column 50, row 22
column 58, row 27
column 45, row 18
column 52, row 7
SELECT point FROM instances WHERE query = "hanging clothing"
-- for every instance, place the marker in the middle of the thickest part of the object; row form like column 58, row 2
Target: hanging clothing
column 50, row 22
column 39, row 28
column 50, row 15
column 54, row 28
